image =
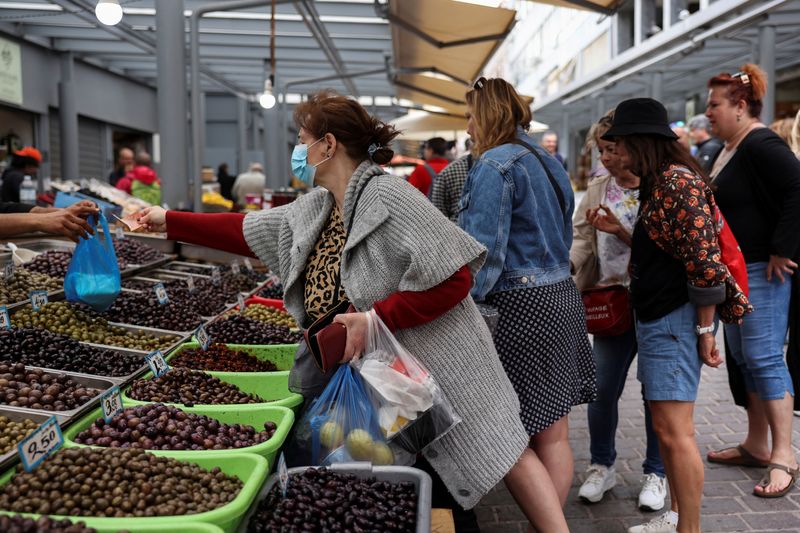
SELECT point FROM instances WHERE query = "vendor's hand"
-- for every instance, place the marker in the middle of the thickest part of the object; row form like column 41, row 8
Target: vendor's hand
column 83, row 209
column 64, row 222
column 154, row 219
column 356, row 324
column 708, row 351
column 780, row 266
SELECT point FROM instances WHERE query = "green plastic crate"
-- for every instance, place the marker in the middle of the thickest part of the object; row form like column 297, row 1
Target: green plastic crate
column 282, row 416
column 271, row 386
column 280, row 354
column 249, row 468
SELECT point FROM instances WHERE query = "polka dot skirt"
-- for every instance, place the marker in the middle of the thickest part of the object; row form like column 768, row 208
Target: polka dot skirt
column 543, row 345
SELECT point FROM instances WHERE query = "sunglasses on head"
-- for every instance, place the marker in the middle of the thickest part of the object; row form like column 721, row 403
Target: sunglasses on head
column 743, row 77
column 480, row 83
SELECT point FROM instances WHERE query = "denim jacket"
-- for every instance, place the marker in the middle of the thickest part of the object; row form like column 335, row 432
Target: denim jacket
column 509, row 206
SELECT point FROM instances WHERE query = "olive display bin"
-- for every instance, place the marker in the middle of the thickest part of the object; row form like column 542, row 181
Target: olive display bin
column 228, row 414
column 396, row 474
column 271, row 386
column 282, row 355
column 249, row 468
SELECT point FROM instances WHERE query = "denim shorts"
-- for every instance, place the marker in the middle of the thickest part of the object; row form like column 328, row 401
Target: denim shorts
column 757, row 344
column 669, row 365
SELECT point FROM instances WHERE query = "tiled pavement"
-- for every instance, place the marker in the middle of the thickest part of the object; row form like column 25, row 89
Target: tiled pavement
column 728, row 503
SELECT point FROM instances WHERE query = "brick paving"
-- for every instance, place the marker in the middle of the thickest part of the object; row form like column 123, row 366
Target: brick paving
column 728, row 503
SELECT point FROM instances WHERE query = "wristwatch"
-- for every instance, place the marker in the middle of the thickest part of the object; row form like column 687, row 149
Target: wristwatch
column 703, row 330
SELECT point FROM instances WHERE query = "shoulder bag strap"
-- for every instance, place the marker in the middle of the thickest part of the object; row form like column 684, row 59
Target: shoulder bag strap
column 559, row 193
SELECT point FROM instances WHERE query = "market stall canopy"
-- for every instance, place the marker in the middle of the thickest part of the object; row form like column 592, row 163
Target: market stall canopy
column 420, row 126
column 440, row 47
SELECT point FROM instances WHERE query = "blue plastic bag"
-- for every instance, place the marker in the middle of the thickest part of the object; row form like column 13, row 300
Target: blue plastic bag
column 93, row 274
column 342, row 424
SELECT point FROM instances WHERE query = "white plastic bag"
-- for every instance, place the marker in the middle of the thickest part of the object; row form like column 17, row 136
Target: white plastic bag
column 412, row 409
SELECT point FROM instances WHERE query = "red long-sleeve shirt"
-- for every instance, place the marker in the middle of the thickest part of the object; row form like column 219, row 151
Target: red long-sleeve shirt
column 400, row 310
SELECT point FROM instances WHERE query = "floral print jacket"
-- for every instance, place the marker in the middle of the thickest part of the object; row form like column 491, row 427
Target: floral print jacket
column 680, row 217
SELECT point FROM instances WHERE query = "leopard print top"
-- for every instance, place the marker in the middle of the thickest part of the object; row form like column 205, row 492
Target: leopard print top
column 323, row 266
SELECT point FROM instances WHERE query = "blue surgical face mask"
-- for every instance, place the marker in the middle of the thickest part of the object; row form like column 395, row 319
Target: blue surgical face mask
column 300, row 166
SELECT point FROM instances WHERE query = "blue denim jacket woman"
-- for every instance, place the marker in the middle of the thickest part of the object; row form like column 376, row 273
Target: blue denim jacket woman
column 509, row 205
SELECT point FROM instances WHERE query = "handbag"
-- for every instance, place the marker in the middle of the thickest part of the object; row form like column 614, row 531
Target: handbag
column 326, row 340
column 608, row 310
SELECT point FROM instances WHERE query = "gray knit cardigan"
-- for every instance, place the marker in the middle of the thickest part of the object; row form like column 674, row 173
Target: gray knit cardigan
column 400, row 241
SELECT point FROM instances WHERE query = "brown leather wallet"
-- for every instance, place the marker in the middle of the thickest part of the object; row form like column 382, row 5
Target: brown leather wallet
column 326, row 340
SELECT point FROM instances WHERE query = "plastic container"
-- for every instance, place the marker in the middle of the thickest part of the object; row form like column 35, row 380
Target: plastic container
column 421, row 480
column 282, row 416
column 280, row 354
column 249, row 468
column 271, row 386
column 269, row 302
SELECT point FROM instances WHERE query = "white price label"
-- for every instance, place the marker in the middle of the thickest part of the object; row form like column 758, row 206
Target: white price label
column 40, row 444
column 38, row 299
column 5, row 318
column 161, row 293
column 157, row 363
column 283, row 474
column 242, row 305
column 247, row 264
column 215, row 276
column 235, row 267
column 190, row 283
column 111, row 401
column 8, row 271
column 119, row 232
column 202, row 337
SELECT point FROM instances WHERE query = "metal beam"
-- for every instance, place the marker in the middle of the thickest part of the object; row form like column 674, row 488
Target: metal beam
column 68, row 119
column 766, row 54
column 317, row 29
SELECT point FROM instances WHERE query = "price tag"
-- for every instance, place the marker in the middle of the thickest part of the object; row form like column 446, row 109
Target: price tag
column 40, row 444
column 38, row 299
column 157, row 363
column 190, row 283
column 8, row 271
column 247, row 264
column 235, row 267
column 5, row 319
column 202, row 337
column 216, row 278
column 161, row 293
column 111, row 401
column 283, row 474
column 119, row 233
column 241, row 303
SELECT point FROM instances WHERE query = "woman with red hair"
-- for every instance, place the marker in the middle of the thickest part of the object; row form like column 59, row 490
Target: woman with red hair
column 757, row 182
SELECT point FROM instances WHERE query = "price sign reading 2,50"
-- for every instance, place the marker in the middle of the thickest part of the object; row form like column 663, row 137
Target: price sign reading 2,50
column 40, row 444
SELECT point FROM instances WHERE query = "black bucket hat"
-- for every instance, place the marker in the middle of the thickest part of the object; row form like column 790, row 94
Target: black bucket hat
column 639, row 116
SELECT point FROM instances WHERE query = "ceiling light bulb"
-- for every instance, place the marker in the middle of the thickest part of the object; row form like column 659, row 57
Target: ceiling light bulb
column 267, row 100
column 108, row 12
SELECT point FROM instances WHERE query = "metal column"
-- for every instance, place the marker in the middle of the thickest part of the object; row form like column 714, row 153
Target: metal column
column 657, row 86
column 766, row 60
column 68, row 116
column 42, row 142
column 274, row 156
column 241, row 134
column 171, row 102
column 565, row 141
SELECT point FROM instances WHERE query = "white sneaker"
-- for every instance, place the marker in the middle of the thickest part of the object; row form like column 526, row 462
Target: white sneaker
column 600, row 479
column 654, row 490
column 666, row 523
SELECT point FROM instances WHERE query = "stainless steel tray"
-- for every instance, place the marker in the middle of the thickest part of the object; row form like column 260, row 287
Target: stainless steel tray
column 151, row 331
column 202, row 253
column 43, row 245
column 8, row 458
column 87, row 380
column 52, row 296
column 159, row 241
column 118, row 380
column 183, row 266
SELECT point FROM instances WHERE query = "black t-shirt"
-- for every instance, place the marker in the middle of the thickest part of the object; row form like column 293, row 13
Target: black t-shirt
column 658, row 280
column 12, row 180
column 758, row 192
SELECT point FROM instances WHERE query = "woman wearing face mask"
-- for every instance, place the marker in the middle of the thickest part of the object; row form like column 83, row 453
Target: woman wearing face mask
column 757, row 181
column 394, row 252
column 600, row 253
